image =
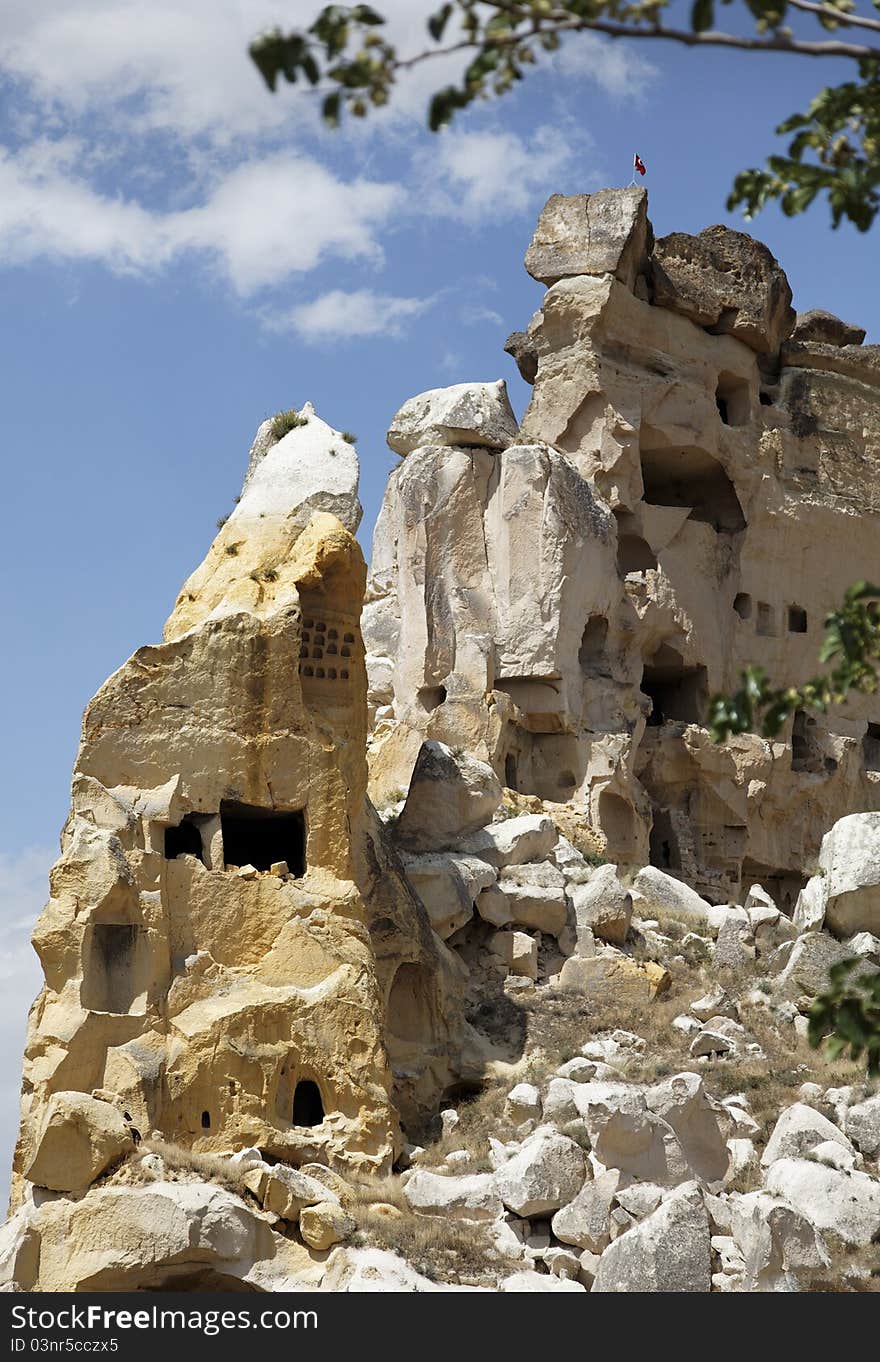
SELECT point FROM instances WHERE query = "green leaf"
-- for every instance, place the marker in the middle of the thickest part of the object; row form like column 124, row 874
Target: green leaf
column 330, row 109
column 702, row 15
column 437, row 22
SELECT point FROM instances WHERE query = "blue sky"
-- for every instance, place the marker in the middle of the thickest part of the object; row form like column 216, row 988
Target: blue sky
column 181, row 254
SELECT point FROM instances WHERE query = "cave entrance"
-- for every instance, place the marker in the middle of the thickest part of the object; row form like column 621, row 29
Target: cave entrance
column 591, row 654
column 806, row 751
column 677, row 692
column 184, row 840
column 732, row 400
column 691, row 478
column 663, row 842
column 510, row 771
column 635, row 555
column 261, row 837
column 308, row 1105
column 871, row 748
column 617, row 821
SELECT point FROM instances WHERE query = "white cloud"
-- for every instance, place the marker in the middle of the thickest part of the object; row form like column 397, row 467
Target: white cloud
column 261, row 222
column 615, row 66
column 339, row 315
column 23, row 891
column 477, row 316
column 492, row 174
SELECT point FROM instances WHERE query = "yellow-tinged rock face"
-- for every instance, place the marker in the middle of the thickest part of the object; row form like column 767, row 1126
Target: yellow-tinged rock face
column 226, row 926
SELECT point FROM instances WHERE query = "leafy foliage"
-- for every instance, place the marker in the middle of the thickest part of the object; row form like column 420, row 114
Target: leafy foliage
column 841, row 132
column 852, row 638
column 346, row 58
column 847, row 1015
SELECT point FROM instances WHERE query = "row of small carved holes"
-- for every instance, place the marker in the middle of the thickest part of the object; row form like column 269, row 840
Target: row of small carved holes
column 323, row 639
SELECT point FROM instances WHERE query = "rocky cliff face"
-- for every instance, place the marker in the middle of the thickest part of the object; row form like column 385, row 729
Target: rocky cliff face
column 691, row 490
column 230, row 946
column 531, row 1026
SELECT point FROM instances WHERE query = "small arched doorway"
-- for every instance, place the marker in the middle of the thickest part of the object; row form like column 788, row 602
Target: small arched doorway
column 308, row 1105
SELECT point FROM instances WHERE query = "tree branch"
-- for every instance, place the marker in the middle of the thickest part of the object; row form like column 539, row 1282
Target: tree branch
column 777, row 43
column 845, row 20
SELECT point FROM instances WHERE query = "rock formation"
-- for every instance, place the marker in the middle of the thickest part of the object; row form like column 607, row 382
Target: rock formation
column 540, row 1022
column 691, row 490
column 232, row 954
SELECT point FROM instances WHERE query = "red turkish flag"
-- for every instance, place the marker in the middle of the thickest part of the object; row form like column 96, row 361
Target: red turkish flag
column 638, row 164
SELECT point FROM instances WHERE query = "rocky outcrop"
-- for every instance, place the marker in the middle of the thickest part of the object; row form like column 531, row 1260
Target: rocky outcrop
column 232, row 954
column 562, row 607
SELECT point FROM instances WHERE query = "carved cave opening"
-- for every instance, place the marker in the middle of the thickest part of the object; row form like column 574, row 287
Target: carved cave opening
column 591, row 654
column 260, row 837
column 308, row 1105
column 806, row 747
column 634, row 554
column 663, row 843
column 742, row 604
column 677, row 692
column 409, row 1012
column 871, row 748
column 184, row 840
column 618, row 823
column 797, row 619
column 692, row 478
column 732, row 400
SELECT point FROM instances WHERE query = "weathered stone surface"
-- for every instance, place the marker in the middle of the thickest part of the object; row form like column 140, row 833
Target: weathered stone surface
column 223, row 1009
column 603, row 233
column 667, row 1251
column 518, row 951
column 450, row 796
column 862, row 1125
column 449, row 886
column 824, row 327
column 523, row 351
column 850, row 860
column 324, row 1225
column 586, row 1221
column 798, row 1129
column 847, row 1204
column 471, row 1197
column 806, row 970
column 776, row 1241
column 613, row 975
column 548, row 1172
column 466, row 414
column 603, row 905
column 543, row 908
column 727, row 281
column 79, row 1138
column 515, row 841
column 681, row 1101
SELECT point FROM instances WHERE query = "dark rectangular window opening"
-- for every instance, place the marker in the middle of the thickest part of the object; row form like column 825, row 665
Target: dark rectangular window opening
column 261, row 837
column 797, row 619
column 871, row 748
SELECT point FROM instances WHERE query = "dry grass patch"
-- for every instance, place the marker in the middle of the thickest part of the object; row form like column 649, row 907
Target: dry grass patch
column 439, row 1247
column 180, row 1165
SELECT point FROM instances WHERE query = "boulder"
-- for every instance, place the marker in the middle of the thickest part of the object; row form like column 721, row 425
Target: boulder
column 726, row 281
column 324, row 1225
column 285, row 1191
column 862, row 1125
column 370, row 1269
column 518, row 951
column 538, row 1281
column 548, row 1172
column 665, row 898
column 847, row 1204
column 530, row 837
column 544, row 909
column 850, row 859
column 449, row 886
column 716, row 1003
column 798, row 1129
column 466, row 414
column 611, row 974
column 681, row 1101
column 806, row 970
column 603, row 905
column 809, row 909
column 625, row 1135
column 127, row 1238
column 603, row 233
column 586, row 1221
column 524, row 353
column 667, row 1251
column 472, row 1197
column 450, row 796
column 79, row 1139
column 523, row 1103
column 493, row 907
column 775, row 1240
column 824, row 328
